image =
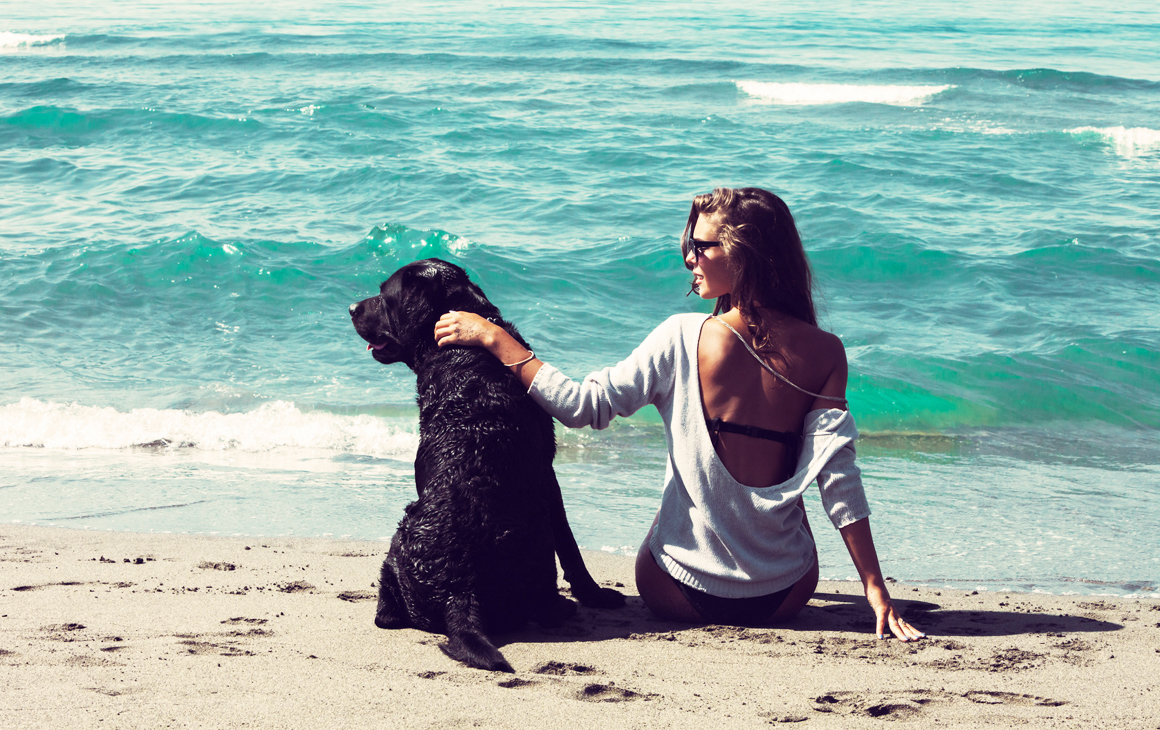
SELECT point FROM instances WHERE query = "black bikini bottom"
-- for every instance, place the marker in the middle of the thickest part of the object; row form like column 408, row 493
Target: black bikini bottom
column 753, row 611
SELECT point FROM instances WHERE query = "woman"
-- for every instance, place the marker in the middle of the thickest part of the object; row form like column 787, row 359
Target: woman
column 753, row 400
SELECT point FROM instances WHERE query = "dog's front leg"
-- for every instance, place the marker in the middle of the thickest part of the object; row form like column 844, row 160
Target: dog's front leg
column 391, row 612
column 584, row 588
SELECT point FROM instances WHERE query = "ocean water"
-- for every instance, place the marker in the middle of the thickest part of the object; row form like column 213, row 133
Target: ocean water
column 191, row 194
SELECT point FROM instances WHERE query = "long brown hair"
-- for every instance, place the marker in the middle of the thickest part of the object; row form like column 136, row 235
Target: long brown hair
column 762, row 245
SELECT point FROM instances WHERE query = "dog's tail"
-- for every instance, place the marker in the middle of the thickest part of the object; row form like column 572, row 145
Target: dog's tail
column 466, row 641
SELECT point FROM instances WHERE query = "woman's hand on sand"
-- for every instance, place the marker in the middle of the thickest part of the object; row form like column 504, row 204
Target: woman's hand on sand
column 888, row 617
column 464, row 328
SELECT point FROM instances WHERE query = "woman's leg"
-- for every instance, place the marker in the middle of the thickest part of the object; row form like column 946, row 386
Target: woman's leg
column 804, row 589
column 661, row 594
column 799, row 596
column 658, row 589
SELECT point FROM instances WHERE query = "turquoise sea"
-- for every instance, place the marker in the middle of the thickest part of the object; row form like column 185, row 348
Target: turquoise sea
column 192, row 193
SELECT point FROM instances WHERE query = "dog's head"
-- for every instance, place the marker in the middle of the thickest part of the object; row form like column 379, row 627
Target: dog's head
column 399, row 323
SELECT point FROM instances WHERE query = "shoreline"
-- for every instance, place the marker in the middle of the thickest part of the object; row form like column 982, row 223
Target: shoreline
column 1127, row 590
column 146, row 629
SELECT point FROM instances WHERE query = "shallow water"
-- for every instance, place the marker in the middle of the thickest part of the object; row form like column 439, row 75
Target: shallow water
column 193, row 194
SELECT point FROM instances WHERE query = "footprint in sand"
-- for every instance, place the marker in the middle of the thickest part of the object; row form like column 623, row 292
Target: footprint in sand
column 1012, row 659
column 64, row 632
column 913, row 703
column 984, row 697
column 298, row 586
column 607, row 693
column 895, row 706
column 515, row 683
column 206, row 565
column 590, row 692
column 193, row 646
column 564, row 668
column 554, row 676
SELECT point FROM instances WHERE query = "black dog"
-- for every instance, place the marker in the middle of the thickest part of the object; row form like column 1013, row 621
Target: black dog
column 477, row 551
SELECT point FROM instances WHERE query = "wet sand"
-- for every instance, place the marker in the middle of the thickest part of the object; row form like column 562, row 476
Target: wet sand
column 140, row 630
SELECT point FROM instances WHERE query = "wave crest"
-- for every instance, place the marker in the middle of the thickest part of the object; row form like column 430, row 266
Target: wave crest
column 796, row 94
column 271, row 426
column 15, row 41
column 1127, row 142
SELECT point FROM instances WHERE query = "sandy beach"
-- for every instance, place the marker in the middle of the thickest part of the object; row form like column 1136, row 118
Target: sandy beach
column 102, row 629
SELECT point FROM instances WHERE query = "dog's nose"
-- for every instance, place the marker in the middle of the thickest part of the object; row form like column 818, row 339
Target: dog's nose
column 353, row 308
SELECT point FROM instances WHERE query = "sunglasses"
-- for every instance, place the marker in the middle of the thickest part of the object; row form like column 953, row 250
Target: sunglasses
column 697, row 246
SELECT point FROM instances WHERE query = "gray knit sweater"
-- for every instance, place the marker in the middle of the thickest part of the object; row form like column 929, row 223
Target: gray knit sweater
column 714, row 533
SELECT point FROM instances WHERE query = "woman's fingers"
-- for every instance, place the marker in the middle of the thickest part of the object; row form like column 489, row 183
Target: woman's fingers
column 889, row 622
column 460, row 328
column 903, row 630
column 896, row 628
column 447, row 329
column 909, row 631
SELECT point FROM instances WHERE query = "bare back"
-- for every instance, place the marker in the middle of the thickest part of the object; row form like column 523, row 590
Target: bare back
column 736, row 388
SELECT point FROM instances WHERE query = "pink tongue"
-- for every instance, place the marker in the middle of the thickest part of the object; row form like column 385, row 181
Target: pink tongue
column 376, row 347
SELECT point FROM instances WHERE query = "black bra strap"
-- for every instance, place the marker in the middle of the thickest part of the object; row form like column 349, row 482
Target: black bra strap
column 717, row 425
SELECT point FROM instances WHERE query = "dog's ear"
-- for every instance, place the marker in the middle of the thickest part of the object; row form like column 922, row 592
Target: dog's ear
column 457, row 290
column 432, row 287
column 419, row 288
column 465, row 296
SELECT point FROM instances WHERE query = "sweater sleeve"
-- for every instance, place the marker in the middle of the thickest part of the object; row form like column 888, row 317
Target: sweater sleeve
column 620, row 390
column 828, row 456
column 840, row 482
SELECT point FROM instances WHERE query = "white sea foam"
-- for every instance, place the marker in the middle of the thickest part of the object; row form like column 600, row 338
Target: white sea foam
column 271, row 426
column 807, row 94
column 1127, row 142
column 17, row 41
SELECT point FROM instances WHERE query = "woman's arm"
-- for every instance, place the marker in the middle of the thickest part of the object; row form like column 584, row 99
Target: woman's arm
column 642, row 378
column 465, row 328
column 860, row 543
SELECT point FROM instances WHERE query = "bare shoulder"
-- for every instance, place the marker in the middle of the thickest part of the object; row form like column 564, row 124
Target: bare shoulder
column 717, row 348
column 828, row 356
column 716, row 335
column 815, row 344
column 824, row 349
column 828, row 347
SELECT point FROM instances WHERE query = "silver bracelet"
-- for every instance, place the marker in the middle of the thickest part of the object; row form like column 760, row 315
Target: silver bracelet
column 531, row 356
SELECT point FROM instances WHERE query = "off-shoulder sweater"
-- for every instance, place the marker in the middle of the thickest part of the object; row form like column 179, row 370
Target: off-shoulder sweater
column 714, row 533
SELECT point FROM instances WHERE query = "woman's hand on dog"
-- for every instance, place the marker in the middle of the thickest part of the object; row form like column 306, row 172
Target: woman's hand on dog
column 471, row 330
column 466, row 328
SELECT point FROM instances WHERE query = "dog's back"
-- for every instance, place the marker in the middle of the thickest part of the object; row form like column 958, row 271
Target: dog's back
column 476, row 551
column 483, row 471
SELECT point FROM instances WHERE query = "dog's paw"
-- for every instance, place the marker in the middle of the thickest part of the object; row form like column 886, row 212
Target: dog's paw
column 598, row 597
column 555, row 612
column 392, row 620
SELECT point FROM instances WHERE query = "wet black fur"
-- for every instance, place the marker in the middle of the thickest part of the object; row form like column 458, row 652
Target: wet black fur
column 475, row 553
